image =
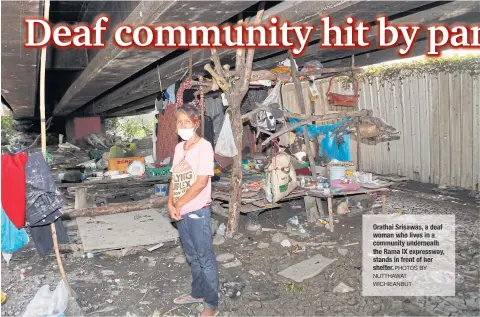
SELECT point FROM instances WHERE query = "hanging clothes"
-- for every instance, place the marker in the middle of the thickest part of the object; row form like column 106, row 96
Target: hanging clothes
column 42, row 235
column 42, row 199
column 171, row 94
column 13, row 239
column 43, row 204
column 13, row 187
column 214, row 109
column 208, row 132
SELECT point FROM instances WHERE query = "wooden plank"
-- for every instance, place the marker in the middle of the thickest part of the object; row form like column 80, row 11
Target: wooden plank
column 424, row 126
column 455, row 129
column 378, row 168
column 415, row 118
column 444, row 125
column 399, row 144
column 383, row 113
column 407, row 128
column 476, row 135
column 136, row 228
column 434, row 129
column 390, row 110
column 19, row 75
column 467, row 131
column 368, row 148
column 316, row 193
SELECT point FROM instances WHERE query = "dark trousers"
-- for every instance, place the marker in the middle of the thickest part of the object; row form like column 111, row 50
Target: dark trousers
column 196, row 238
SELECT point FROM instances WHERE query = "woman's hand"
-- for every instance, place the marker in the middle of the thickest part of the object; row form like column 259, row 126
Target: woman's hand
column 174, row 212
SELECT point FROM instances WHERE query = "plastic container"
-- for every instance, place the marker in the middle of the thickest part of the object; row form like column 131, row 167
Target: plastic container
column 121, row 164
column 161, row 189
column 337, row 172
column 158, row 171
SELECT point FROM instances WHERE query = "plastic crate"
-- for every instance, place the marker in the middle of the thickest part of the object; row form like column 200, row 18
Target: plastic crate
column 158, row 171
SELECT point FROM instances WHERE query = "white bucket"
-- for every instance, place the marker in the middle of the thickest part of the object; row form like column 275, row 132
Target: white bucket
column 337, row 172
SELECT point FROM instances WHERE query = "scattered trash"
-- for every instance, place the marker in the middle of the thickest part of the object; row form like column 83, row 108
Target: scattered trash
column 349, row 244
column 47, row 303
column 294, row 221
column 278, row 237
column 232, row 289
column 342, row 288
column 218, row 240
column 268, row 229
column 225, row 257
column 68, row 146
column 232, row 264
column 286, row 243
column 108, row 273
column 342, row 208
column 307, row 269
column 474, row 195
column 90, row 255
column 263, row 245
column 342, row 251
column 253, row 226
column 180, row 259
column 221, row 230
column 153, row 248
column 136, row 168
column 109, row 301
column 254, row 273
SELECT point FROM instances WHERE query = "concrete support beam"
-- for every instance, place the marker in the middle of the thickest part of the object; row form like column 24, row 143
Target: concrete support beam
column 113, row 65
column 19, row 65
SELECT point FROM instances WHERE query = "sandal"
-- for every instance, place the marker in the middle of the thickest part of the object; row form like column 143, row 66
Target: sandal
column 187, row 299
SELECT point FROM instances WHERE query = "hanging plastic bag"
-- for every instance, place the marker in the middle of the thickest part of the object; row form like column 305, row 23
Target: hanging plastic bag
column 47, row 303
column 226, row 143
column 13, row 239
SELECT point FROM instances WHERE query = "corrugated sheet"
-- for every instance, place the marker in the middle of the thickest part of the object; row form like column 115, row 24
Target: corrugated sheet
column 439, row 120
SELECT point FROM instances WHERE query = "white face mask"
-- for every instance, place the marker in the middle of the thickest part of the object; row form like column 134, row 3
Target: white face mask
column 186, row 134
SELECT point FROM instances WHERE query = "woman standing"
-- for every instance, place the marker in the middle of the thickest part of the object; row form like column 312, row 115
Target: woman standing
column 189, row 204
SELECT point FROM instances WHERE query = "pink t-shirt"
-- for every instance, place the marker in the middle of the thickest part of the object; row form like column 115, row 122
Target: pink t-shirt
column 186, row 166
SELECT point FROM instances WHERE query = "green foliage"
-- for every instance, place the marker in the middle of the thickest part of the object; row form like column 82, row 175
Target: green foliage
column 7, row 128
column 432, row 66
column 129, row 128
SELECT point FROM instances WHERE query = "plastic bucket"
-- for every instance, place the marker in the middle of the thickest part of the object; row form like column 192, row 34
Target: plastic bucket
column 337, row 172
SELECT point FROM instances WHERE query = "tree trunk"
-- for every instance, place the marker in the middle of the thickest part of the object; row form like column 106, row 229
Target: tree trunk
column 236, row 182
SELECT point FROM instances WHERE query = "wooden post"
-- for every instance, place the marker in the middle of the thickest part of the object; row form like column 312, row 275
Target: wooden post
column 80, row 198
column 301, row 101
column 359, row 140
column 202, row 106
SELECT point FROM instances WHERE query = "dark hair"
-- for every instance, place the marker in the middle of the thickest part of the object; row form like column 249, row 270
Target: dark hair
column 190, row 111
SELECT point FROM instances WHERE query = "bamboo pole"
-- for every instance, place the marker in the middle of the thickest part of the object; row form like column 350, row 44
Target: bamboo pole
column 43, row 60
column 43, row 133
column 59, row 259
column 303, row 108
column 202, row 106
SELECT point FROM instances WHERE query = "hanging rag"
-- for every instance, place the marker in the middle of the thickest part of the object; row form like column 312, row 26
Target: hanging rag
column 208, row 133
column 214, row 109
column 13, row 187
column 42, row 199
column 13, row 239
column 171, row 94
column 42, row 234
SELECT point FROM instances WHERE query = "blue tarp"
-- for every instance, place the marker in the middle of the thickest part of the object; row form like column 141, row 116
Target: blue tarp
column 329, row 145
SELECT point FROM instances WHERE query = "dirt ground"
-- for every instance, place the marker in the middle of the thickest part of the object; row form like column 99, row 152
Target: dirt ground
column 144, row 284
